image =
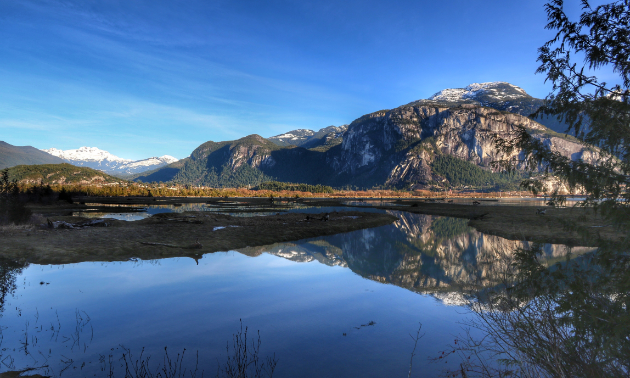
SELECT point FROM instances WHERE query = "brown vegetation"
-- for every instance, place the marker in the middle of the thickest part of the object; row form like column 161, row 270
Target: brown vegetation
column 133, row 189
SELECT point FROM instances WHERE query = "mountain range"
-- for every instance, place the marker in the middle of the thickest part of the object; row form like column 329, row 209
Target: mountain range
column 95, row 158
column 444, row 140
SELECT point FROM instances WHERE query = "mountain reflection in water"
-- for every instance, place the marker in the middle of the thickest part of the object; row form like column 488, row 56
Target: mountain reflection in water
column 423, row 253
column 311, row 316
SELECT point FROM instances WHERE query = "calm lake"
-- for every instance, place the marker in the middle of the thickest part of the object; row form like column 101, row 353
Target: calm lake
column 335, row 306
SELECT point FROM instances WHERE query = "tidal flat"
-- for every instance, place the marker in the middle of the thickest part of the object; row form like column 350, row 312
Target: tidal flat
column 171, row 235
column 194, row 233
column 570, row 225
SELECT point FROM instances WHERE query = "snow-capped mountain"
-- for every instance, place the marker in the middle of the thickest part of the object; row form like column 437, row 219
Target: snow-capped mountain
column 498, row 95
column 93, row 157
column 91, row 154
column 148, row 164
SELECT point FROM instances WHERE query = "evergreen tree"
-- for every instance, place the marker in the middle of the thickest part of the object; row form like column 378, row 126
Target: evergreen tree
column 12, row 209
column 573, row 320
column 597, row 112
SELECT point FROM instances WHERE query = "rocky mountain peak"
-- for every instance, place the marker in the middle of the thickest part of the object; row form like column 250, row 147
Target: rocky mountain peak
column 498, row 95
column 294, row 135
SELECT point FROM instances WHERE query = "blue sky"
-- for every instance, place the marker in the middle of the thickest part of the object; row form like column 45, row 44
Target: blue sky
column 142, row 78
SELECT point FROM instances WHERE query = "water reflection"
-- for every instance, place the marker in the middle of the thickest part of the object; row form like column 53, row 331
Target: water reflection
column 302, row 309
column 9, row 271
column 426, row 254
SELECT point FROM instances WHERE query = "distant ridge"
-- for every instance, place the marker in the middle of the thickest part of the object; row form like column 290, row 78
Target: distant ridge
column 11, row 156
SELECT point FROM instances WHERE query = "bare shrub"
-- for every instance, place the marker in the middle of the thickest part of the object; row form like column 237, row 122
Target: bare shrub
column 245, row 361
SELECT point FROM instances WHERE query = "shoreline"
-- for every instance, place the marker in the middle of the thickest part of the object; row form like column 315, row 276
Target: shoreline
column 188, row 234
column 194, row 233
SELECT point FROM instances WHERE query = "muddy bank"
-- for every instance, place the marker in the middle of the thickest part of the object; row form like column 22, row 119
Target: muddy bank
column 556, row 226
column 170, row 235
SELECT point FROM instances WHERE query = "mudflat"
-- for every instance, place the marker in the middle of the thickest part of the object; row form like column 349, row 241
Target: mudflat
column 573, row 226
column 194, row 233
column 169, row 235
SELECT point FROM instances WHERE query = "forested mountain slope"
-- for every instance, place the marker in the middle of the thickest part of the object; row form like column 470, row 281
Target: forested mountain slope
column 51, row 174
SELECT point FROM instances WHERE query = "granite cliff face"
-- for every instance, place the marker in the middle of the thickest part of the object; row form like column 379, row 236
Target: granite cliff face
column 398, row 146
column 414, row 146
